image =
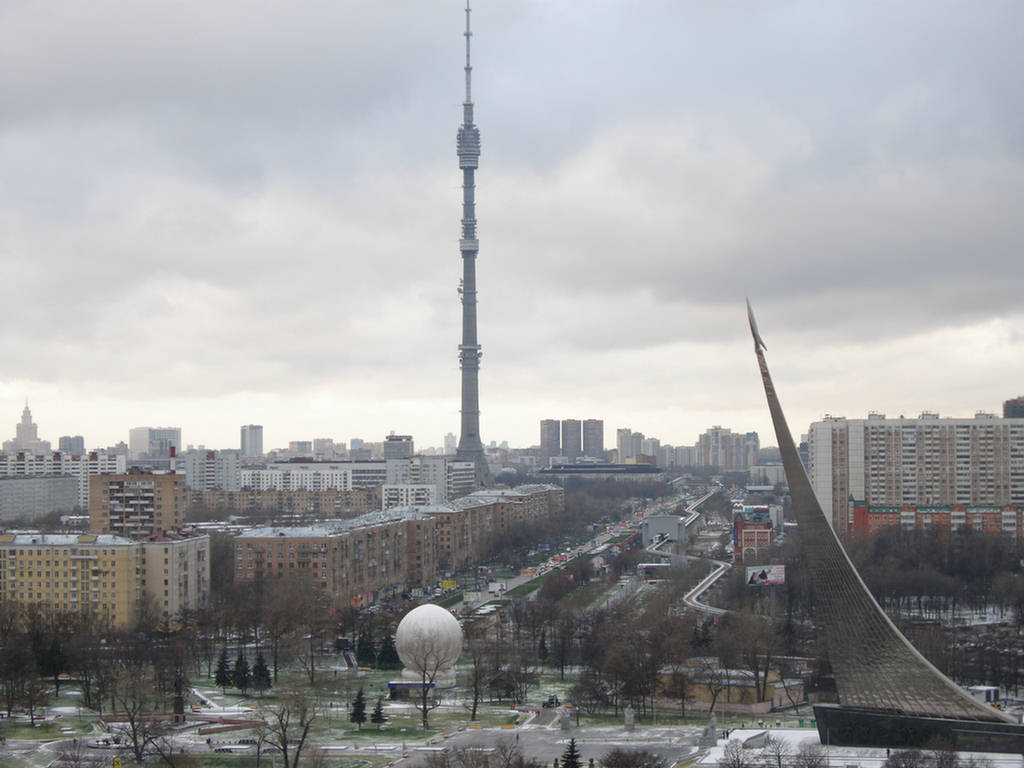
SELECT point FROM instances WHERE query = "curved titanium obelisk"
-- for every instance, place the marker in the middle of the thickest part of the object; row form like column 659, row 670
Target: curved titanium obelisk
column 878, row 673
column 468, row 147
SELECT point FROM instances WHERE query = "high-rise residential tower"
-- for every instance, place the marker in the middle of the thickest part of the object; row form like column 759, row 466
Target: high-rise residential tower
column 471, row 448
column 593, row 438
column 252, row 441
column 572, row 443
column 73, row 444
column 550, row 439
column 922, row 461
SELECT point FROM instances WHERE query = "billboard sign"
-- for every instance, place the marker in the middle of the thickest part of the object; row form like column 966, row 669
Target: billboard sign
column 765, row 574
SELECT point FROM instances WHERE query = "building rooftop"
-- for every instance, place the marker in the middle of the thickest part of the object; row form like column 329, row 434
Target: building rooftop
column 65, row 539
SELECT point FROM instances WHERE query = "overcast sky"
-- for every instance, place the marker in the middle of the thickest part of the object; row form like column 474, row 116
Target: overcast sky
column 214, row 214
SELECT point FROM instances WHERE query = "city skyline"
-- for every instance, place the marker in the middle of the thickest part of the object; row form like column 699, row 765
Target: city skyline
column 252, row 217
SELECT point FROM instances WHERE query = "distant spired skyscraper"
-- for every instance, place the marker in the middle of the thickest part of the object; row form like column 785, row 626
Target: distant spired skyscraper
column 471, row 448
column 26, row 437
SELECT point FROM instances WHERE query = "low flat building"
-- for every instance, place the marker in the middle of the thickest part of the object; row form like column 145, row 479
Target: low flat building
column 1004, row 520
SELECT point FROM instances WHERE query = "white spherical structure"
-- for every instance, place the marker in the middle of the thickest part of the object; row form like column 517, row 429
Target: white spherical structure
column 428, row 640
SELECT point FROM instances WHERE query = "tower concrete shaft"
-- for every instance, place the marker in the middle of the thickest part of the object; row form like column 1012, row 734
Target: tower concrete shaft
column 470, row 448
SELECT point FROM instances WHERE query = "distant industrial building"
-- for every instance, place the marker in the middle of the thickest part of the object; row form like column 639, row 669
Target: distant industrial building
column 398, row 446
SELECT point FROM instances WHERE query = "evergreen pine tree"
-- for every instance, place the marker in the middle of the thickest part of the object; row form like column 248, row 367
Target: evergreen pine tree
column 388, row 656
column 358, row 713
column 542, row 648
column 571, row 757
column 242, row 676
column 377, row 716
column 222, row 676
column 364, row 650
column 260, row 675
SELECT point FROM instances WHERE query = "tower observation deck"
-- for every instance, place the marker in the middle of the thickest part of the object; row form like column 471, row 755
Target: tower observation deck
column 467, row 145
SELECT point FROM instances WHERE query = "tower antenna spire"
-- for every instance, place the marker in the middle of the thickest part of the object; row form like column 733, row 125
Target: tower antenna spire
column 467, row 145
column 469, row 67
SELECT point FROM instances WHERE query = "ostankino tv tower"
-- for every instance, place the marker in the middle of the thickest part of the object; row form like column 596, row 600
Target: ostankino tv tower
column 468, row 147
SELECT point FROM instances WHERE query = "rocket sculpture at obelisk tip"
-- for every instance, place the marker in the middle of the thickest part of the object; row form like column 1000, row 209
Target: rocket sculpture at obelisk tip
column 753, row 328
column 467, row 144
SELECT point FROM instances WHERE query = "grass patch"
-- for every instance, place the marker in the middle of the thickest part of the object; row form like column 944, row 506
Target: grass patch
column 449, row 600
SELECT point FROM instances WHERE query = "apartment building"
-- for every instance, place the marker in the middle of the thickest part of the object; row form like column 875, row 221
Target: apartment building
column 408, row 495
column 211, row 470
column 593, row 438
column 29, row 498
column 73, row 573
column 926, row 460
column 174, row 571
column 727, row 450
column 323, row 504
column 377, row 555
column 106, row 575
column 81, row 467
column 352, row 562
column 550, row 440
column 136, row 504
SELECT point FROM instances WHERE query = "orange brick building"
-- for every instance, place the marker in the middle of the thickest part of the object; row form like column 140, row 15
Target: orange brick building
column 1003, row 519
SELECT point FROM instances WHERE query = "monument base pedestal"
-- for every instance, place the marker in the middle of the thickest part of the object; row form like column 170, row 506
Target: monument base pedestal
column 855, row 727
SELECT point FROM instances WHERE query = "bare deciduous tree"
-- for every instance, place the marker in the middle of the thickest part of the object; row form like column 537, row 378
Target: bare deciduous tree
column 735, row 756
column 288, row 727
column 776, row 753
column 430, row 656
column 810, row 755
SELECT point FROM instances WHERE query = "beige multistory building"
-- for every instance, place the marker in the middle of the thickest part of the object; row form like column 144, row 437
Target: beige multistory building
column 348, row 562
column 73, row 573
column 926, row 460
column 137, row 504
column 322, row 504
column 107, row 576
column 374, row 556
column 175, row 572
